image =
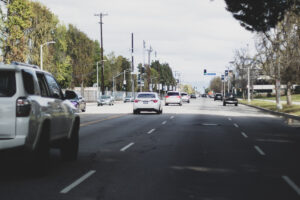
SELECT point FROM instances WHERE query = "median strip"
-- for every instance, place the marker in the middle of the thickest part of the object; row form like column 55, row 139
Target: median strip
column 101, row 120
column 127, row 146
column 77, row 182
column 292, row 184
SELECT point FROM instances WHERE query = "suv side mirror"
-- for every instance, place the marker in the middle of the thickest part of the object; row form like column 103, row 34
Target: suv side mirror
column 69, row 94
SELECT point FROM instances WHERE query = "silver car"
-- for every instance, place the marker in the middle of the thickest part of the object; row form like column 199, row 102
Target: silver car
column 105, row 100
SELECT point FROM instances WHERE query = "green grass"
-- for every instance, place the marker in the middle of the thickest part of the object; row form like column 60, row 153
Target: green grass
column 295, row 97
column 293, row 109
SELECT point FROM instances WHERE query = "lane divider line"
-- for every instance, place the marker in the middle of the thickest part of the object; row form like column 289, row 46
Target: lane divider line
column 172, row 117
column 101, row 120
column 259, row 150
column 229, row 119
column 292, row 184
column 235, row 125
column 244, row 134
column 77, row 182
column 151, row 131
column 127, row 146
column 164, row 122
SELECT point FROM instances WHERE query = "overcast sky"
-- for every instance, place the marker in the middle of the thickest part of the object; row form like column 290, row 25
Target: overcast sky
column 190, row 35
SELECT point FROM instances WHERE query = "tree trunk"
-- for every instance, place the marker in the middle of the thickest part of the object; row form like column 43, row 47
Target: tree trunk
column 289, row 93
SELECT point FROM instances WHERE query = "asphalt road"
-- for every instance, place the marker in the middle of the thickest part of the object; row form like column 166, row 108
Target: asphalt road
column 201, row 150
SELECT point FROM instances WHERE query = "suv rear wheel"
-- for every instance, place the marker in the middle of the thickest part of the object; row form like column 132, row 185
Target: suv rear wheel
column 40, row 155
column 69, row 148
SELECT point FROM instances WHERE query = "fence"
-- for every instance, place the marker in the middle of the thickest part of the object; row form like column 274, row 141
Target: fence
column 90, row 94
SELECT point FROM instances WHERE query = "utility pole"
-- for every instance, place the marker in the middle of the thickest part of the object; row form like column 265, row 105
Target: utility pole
column 132, row 66
column 149, row 55
column 100, row 15
column 141, row 72
column 249, row 100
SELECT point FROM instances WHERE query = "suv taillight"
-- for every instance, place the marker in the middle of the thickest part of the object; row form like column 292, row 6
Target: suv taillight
column 155, row 101
column 23, row 107
column 136, row 101
column 166, row 96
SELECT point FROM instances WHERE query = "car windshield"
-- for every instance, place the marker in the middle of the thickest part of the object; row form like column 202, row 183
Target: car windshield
column 105, row 97
column 7, row 83
column 146, row 96
column 183, row 94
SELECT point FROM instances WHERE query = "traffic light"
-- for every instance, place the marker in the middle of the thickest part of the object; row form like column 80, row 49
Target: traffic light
column 204, row 71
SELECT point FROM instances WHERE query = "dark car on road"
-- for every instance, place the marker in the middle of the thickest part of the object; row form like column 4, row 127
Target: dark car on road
column 218, row 96
column 230, row 99
column 193, row 96
column 76, row 99
column 204, row 95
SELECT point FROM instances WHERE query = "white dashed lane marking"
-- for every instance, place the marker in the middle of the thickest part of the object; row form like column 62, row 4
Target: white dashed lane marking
column 77, row 182
column 244, row 134
column 292, row 184
column 127, row 146
column 151, row 131
column 259, row 150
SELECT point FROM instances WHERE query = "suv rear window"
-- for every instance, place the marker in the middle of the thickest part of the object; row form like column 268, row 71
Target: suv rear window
column 7, row 83
column 173, row 93
column 146, row 96
column 183, row 94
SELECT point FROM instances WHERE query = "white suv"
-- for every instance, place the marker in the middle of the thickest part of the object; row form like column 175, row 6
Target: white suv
column 173, row 97
column 34, row 114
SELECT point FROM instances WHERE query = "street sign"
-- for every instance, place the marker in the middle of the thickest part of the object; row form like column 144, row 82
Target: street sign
column 226, row 72
column 210, row 74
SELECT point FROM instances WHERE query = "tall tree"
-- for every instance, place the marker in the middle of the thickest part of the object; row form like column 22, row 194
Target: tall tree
column 81, row 51
column 216, row 84
column 260, row 16
column 42, row 30
column 14, row 40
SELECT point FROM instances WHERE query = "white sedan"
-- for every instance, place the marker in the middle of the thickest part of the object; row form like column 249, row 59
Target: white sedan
column 147, row 101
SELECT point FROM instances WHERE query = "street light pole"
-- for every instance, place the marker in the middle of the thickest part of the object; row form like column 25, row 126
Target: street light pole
column 97, row 80
column 249, row 100
column 101, row 51
column 41, row 52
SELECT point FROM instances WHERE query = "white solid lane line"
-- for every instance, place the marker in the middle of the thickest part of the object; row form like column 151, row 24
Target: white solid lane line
column 235, row 125
column 261, row 152
column 127, row 146
column 244, row 134
column 172, row 117
column 229, row 119
column 151, row 131
column 164, row 122
column 207, row 124
column 77, row 182
column 292, row 184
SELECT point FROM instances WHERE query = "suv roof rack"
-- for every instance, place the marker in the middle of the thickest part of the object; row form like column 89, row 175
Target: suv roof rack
column 25, row 64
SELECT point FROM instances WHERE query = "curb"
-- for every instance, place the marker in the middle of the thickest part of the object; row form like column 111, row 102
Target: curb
column 274, row 112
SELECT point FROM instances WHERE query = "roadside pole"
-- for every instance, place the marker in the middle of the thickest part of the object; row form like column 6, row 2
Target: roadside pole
column 132, row 66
